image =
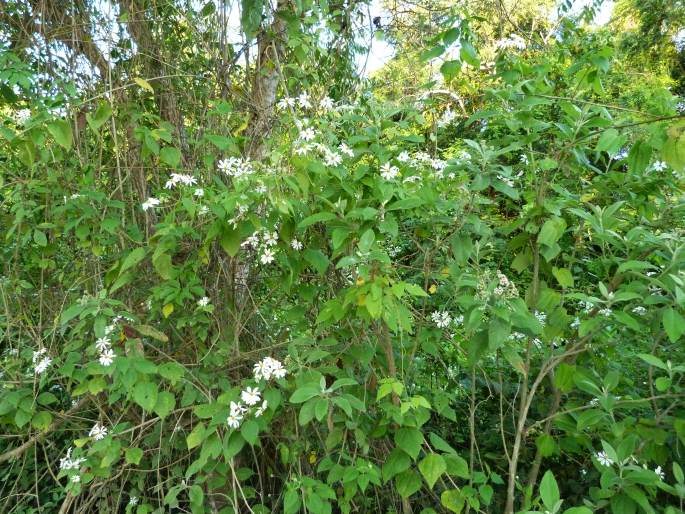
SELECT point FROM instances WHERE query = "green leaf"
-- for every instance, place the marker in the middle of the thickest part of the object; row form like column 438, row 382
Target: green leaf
column 291, row 502
column 639, row 156
column 172, row 371
column 453, row 500
column 250, row 429
column 549, row 490
column 450, row 69
column 317, row 260
column 315, row 218
column 170, row 155
column 145, row 394
column 563, row 276
column 407, row 483
column 551, row 231
column 432, row 467
column 457, row 466
column 230, row 240
column 409, row 439
column 166, row 402
column 133, row 455
column 396, row 463
column 101, row 115
column 468, row 54
column 251, row 17
column 61, row 131
column 674, row 324
column 304, row 393
column 434, row 52
column 39, row 238
column 134, row 257
column 41, row 420
column 607, row 141
column 196, row 436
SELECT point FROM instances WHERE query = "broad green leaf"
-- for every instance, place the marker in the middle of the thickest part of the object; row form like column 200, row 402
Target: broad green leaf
column 171, row 156
column 409, row 439
column 166, row 402
column 453, row 500
column 134, row 257
column 61, row 131
column 145, row 394
column 133, row 455
column 674, row 324
column 549, row 490
column 144, row 84
column 432, row 467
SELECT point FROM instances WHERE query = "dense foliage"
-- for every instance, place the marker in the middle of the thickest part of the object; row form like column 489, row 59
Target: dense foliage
column 240, row 277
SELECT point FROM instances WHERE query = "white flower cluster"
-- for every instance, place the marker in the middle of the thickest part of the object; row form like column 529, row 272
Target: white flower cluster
column 22, row 116
column 104, row 344
column 268, row 368
column 603, row 459
column 513, row 41
column 203, row 302
column 505, row 288
column 639, row 310
column 304, row 101
column 389, row 172
column 98, row 432
column 235, row 167
column 181, row 178
column 447, row 117
column 67, row 463
column 442, row 319
column 150, row 203
column 541, row 317
column 41, row 362
column 659, row 166
column 265, row 247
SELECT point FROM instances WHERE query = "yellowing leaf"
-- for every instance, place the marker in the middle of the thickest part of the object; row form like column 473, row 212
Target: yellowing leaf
column 167, row 310
column 144, row 84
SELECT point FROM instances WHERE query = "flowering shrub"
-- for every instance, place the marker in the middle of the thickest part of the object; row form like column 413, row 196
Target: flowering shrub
column 400, row 305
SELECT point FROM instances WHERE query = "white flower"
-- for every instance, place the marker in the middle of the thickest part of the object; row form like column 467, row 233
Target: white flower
column 203, row 302
column 639, row 310
column 235, row 167
column 303, row 100
column 67, row 463
column 660, row 472
column 238, row 408
column 403, row 157
column 268, row 368
column 261, row 409
column 176, row 178
column 267, row 256
column 102, row 344
column 412, row 179
column 307, row 134
column 303, row 149
column 576, row 323
column 234, row 420
column 326, row 103
column 524, row 159
column 346, row 150
column 42, row 365
column 389, row 172
column 75, row 479
column 442, row 319
column 506, row 180
column 659, row 166
column 332, row 158
column 541, row 317
column 251, row 396
column 513, row 41
column 270, row 238
column 22, row 116
column 605, row 312
column 447, row 117
column 622, row 154
column 296, row 245
column 38, row 354
column 98, row 432
column 133, row 500
column 286, row 102
column 150, row 202
column 107, row 357
column 199, row 192
column 603, row 459
column 204, row 210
